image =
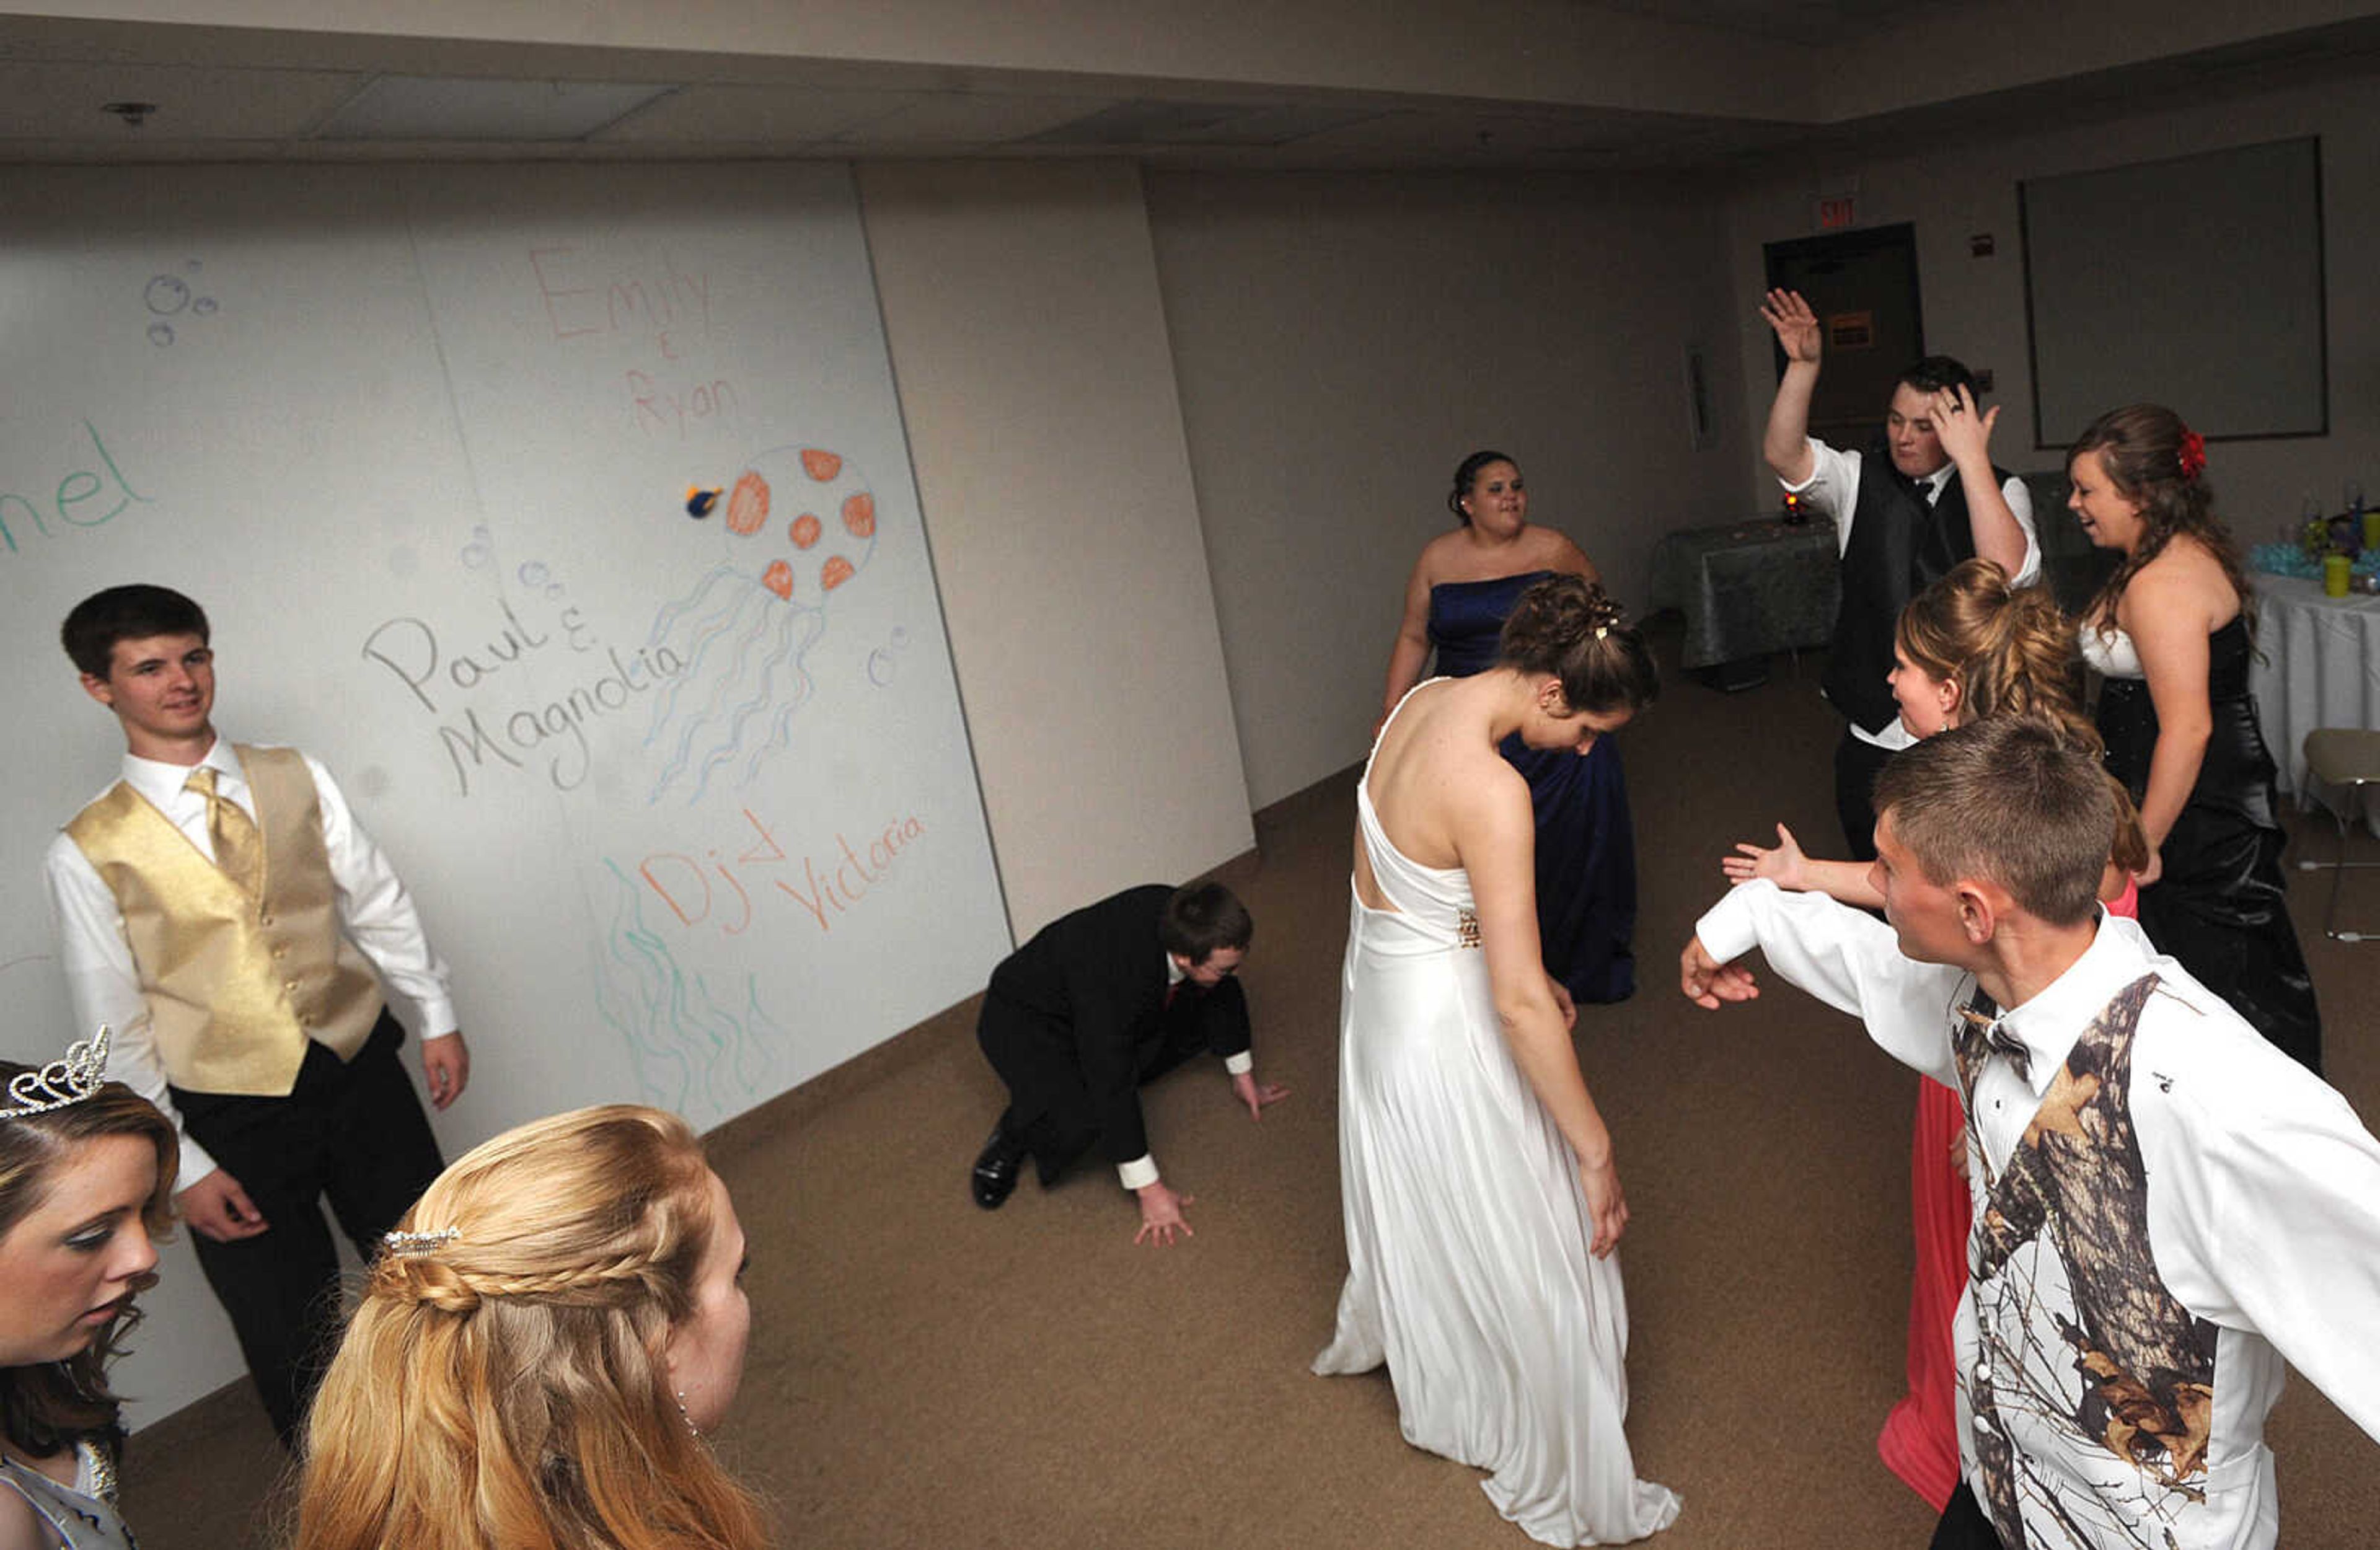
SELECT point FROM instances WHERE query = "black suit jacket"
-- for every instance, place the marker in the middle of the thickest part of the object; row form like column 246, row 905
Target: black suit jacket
column 1077, row 1018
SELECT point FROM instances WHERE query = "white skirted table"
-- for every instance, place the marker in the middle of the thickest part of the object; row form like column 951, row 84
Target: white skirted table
column 2317, row 665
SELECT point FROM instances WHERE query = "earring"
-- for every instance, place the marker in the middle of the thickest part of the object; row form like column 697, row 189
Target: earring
column 691, row 1429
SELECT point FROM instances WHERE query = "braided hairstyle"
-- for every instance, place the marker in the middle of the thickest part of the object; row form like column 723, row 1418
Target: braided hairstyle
column 2151, row 457
column 507, row 1387
column 1569, row 626
column 1467, row 473
column 2012, row 652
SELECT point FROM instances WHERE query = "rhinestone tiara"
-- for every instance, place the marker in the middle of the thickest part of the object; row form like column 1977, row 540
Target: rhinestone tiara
column 61, row 1083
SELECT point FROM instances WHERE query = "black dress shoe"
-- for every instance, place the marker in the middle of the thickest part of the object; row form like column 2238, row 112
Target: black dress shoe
column 996, row 1169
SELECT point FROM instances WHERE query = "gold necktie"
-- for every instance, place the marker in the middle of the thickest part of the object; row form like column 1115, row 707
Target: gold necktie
column 239, row 850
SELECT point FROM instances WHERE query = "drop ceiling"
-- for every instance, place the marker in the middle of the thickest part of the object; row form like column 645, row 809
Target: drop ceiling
column 123, row 89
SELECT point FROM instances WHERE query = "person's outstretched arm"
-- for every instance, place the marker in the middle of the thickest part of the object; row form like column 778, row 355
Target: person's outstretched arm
column 1844, row 957
column 1849, row 882
column 1786, row 443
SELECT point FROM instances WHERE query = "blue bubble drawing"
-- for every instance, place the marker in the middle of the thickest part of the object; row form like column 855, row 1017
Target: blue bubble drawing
column 799, row 524
column 479, row 554
column 883, row 663
column 169, row 296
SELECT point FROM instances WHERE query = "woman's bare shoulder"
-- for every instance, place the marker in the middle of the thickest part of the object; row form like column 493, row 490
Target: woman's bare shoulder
column 2186, row 580
column 1558, row 552
column 20, row 1527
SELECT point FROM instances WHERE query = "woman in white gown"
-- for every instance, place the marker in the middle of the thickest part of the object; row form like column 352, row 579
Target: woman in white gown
column 1480, row 1197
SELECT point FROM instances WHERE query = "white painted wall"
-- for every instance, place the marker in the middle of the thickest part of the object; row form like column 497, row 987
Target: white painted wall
column 1975, row 308
column 1343, row 341
column 1029, row 349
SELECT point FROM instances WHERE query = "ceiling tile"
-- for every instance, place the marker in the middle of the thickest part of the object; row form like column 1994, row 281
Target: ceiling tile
column 64, row 101
column 748, row 115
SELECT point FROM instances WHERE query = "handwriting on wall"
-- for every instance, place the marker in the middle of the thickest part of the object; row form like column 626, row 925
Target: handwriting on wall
column 829, row 889
column 471, row 692
column 693, row 1051
column 93, row 490
column 658, row 308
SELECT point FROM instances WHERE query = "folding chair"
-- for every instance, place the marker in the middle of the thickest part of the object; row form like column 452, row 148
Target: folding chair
column 2339, row 759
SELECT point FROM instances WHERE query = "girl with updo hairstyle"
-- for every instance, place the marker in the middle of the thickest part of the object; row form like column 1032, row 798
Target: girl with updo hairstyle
column 2170, row 632
column 1479, row 1193
column 1462, row 587
column 1967, row 648
column 1570, row 628
column 540, row 1346
column 85, row 1184
column 1972, row 646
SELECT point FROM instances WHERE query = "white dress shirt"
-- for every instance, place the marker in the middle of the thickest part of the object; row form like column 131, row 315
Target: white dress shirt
column 1141, row 1172
column 104, row 983
column 1833, row 488
column 2263, row 1203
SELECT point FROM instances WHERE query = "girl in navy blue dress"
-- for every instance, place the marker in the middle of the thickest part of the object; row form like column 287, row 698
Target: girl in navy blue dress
column 1463, row 587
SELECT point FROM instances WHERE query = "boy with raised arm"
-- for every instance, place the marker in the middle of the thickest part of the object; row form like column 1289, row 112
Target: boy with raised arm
column 2165, row 1206
column 1924, row 496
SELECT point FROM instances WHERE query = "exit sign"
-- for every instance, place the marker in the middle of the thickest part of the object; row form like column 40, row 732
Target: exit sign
column 1836, row 212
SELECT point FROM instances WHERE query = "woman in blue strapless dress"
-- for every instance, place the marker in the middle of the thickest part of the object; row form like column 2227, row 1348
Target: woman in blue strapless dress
column 1463, row 586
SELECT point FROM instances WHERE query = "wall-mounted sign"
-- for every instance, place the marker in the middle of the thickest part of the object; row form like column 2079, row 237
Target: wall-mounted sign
column 1851, row 331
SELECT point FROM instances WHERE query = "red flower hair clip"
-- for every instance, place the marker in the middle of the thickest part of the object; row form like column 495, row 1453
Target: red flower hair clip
column 2192, row 455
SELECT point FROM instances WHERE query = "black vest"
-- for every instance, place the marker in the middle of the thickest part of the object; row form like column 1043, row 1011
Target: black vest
column 1897, row 549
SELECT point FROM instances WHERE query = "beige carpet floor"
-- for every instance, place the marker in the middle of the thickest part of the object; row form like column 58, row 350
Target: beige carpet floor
column 926, row 1374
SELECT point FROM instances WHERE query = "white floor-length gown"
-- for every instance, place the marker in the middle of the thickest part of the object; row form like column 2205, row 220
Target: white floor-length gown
column 1467, row 1229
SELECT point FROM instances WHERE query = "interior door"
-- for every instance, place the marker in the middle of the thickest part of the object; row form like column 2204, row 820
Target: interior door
column 1862, row 286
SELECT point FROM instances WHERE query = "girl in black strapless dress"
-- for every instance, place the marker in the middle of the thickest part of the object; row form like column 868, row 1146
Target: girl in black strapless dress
column 2170, row 628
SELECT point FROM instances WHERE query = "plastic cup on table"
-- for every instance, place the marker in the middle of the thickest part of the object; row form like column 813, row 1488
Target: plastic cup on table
column 2336, row 569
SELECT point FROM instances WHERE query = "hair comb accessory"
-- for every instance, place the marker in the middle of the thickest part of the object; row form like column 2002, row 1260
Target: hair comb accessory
column 414, row 1244
column 62, row 1083
column 2192, row 455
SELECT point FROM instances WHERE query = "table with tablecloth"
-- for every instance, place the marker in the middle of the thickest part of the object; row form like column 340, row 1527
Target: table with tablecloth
column 1747, row 589
column 2317, row 665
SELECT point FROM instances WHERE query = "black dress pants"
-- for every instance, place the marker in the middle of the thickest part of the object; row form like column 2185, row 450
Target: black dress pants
column 352, row 1132
column 1963, row 1525
column 1051, row 1111
column 1857, row 764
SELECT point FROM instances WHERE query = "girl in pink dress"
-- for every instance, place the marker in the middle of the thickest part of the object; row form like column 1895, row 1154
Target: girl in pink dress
column 1967, row 648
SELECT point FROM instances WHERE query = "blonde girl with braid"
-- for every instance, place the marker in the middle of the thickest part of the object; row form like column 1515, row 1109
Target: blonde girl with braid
column 1968, row 648
column 540, row 1346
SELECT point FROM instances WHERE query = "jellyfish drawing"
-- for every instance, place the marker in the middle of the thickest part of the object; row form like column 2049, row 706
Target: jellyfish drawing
column 798, row 524
column 693, row 1051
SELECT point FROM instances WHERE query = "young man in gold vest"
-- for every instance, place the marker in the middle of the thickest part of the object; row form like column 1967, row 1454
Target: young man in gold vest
column 210, row 905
